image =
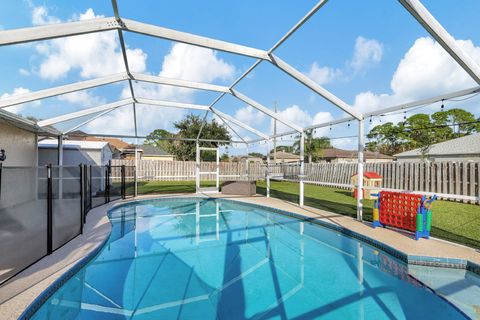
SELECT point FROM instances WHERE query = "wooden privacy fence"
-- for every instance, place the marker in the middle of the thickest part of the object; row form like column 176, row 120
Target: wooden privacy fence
column 157, row 170
column 442, row 178
column 445, row 178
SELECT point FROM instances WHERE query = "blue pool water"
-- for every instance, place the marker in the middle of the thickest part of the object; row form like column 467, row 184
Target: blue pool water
column 217, row 259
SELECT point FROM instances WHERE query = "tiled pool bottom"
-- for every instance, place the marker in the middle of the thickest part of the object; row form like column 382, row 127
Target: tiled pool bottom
column 209, row 259
column 459, row 286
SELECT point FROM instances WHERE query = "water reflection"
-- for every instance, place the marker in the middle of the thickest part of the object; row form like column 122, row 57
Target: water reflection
column 207, row 259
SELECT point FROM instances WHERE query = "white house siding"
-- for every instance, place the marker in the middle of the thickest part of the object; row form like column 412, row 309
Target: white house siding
column 74, row 152
column 73, row 157
column 20, row 145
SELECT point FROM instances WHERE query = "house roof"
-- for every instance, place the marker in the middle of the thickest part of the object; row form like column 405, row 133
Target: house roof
column 286, row 155
column 339, row 153
column 464, row 145
column 26, row 124
column 114, row 142
column 73, row 144
column 149, row 150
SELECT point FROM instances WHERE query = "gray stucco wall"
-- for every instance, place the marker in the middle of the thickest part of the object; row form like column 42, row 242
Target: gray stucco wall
column 20, row 145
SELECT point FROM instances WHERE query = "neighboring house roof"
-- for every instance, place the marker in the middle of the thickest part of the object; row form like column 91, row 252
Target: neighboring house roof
column 286, row 155
column 26, row 124
column 149, row 150
column 339, row 153
column 251, row 158
column 370, row 175
column 464, row 145
column 114, row 142
column 72, row 144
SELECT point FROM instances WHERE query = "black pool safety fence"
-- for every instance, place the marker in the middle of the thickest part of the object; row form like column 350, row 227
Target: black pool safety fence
column 43, row 208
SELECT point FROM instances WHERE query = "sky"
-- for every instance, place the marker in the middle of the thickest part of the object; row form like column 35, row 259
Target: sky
column 371, row 54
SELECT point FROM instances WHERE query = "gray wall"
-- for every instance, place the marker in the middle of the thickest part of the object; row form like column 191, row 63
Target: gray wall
column 20, row 145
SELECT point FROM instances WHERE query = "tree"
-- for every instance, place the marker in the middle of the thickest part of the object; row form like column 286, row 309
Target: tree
column 157, row 138
column 421, row 131
column 386, row 138
column 453, row 116
column 289, row 149
column 256, row 154
column 313, row 146
column 189, row 127
column 224, row 157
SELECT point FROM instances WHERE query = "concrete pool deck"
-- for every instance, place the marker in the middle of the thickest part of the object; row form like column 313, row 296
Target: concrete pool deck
column 19, row 292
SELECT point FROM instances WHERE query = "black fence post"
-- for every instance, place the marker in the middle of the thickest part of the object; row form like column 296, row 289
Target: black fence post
column 1, row 167
column 105, row 185
column 90, row 189
column 49, row 210
column 123, row 182
column 135, row 181
column 109, row 181
column 88, row 199
column 82, row 200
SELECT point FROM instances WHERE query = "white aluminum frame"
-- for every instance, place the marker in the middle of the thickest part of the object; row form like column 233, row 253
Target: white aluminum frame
column 47, row 32
column 198, row 172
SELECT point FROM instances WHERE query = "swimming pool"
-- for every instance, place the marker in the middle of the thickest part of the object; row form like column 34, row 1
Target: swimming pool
column 187, row 258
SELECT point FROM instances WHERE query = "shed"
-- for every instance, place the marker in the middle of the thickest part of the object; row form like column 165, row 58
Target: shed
column 75, row 152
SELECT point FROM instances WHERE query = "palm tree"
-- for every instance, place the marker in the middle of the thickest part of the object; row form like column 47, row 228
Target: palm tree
column 312, row 145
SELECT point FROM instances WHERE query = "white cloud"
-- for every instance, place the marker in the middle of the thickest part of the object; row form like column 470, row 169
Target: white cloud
column 24, row 72
column 366, row 53
column 82, row 97
column 301, row 117
column 182, row 62
column 296, row 115
column 426, row 70
column 149, row 118
column 94, row 55
column 250, row 116
column 323, row 75
column 196, row 64
column 40, row 16
column 21, row 107
column 188, row 63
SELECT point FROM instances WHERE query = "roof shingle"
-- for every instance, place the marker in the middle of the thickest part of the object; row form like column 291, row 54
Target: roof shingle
column 464, row 145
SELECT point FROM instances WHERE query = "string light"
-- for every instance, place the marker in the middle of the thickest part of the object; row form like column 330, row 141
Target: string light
column 404, row 115
column 348, row 123
column 370, row 119
column 442, row 104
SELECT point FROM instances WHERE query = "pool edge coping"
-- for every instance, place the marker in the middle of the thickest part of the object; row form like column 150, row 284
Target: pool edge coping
column 453, row 263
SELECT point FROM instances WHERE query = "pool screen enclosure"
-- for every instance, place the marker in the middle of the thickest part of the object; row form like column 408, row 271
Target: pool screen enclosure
column 199, row 173
column 121, row 25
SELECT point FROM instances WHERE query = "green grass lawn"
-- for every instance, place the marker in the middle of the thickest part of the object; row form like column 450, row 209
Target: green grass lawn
column 458, row 222
column 163, row 187
column 454, row 221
